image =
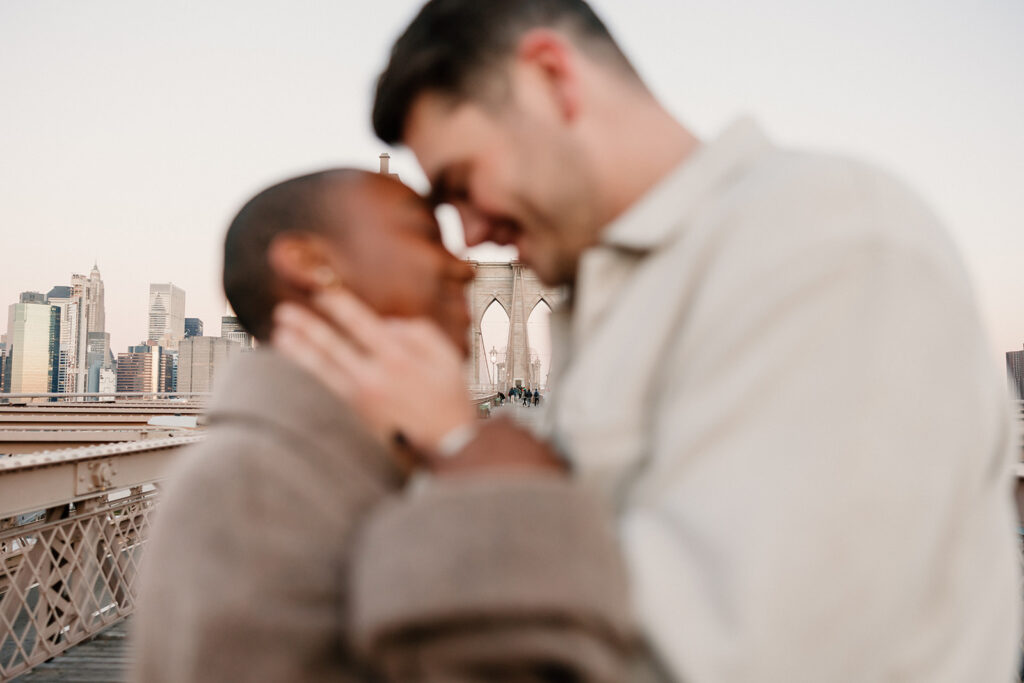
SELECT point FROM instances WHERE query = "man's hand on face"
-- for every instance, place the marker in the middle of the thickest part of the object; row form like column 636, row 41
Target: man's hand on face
column 401, row 375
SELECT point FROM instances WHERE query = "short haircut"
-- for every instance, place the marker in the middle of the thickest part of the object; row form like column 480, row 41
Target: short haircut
column 451, row 44
column 294, row 205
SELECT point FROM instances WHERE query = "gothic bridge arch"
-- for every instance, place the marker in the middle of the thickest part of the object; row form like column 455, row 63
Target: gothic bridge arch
column 518, row 291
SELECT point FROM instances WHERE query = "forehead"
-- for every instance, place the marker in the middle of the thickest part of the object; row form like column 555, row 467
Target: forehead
column 375, row 204
column 442, row 132
column 369, row 194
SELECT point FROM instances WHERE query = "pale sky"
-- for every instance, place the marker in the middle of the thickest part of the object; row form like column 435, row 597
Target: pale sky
column 131, row 132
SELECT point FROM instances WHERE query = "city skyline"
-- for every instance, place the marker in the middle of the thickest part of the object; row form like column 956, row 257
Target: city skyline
column 74, row 355
column 179, row 118
column 165, row 317
column 56, row 343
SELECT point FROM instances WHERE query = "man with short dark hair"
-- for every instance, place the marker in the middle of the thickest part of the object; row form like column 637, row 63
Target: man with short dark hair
column 809, row 449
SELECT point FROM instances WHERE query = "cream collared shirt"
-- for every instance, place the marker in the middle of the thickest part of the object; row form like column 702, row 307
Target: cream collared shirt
column 774, row 371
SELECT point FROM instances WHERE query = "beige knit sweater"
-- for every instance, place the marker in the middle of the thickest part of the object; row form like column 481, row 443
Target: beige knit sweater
column 283, row 551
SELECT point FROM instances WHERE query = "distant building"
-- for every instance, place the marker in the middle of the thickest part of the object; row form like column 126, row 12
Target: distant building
column 63, row 298
column 168, row 363
column 231, row 328
column 33, row 345
column 90, row 318
column 100, row 363
column 172, row 382
column 102, row 380
column 201, row 360
column 193, row 328
column 82, row 313
column 3, row 363
column 166, row 315
column 146, row 367
column 96, row 348
column 95, row 307
column 32, row 298
column 134, row 372
column 1015, row 371
column 59, row 292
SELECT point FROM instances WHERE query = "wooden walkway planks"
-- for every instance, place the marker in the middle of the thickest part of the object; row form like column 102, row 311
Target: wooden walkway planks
column 104, row 659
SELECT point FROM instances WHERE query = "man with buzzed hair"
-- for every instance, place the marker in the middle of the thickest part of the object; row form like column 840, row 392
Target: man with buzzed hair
column 275, row 554
column 809, row 454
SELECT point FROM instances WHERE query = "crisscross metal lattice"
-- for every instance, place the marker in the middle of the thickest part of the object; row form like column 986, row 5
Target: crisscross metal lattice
column 67, row 573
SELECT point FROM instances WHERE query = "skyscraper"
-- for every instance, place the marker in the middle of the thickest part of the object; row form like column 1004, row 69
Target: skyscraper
column 193, row 327
column 101, row 375
column 231, row 328
column 95, row 311
column 33, row 338
column 201, row 359
column 1015, row 371
column 61, row 297
column 96, row 347
column 4, row 356
column 82, row 313
column 166, row 315
column 77, row 315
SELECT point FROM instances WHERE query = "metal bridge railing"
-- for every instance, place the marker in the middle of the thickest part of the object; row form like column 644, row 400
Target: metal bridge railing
column 93, row 397
column 72, row 527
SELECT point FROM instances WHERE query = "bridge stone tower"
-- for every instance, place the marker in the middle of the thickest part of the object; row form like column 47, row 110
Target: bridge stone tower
column 518, row 291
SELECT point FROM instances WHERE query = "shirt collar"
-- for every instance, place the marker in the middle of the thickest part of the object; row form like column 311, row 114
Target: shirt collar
column 660, row 214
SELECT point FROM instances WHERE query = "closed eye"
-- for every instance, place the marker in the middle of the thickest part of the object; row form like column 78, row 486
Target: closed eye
column 449, row 187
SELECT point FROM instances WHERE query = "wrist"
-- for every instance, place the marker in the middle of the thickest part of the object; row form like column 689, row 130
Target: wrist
column 498, row 446
column 457, row 417
column 456, row 439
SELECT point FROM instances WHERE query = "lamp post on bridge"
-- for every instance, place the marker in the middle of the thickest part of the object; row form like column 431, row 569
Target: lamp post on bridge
column 494, row 368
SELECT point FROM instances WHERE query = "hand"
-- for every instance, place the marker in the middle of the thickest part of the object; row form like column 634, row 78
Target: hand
column 399, row 375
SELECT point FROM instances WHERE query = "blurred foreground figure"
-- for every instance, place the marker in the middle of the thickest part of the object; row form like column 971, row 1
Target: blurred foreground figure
column 809, row 448
column 275, row 556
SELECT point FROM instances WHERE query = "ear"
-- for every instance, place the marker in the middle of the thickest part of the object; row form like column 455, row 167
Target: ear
column 555, row 58
column 304, row 261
